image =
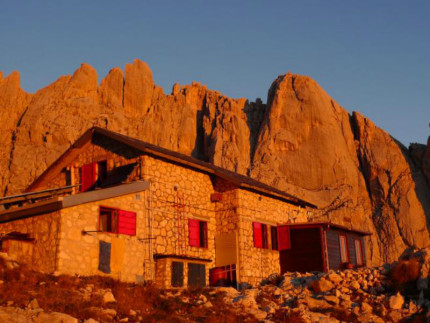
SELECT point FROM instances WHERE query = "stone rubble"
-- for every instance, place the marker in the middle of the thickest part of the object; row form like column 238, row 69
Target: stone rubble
column 353, row 295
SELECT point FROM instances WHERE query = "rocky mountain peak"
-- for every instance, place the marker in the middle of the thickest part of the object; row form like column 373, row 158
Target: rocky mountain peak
column 302, row 141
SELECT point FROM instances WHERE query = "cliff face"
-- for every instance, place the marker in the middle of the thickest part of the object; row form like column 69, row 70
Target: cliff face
column 302, row 141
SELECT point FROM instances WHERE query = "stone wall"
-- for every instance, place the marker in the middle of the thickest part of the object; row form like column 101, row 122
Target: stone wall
column 41, row 253
column 176, row 195
column 257, row 263
column 79, row 253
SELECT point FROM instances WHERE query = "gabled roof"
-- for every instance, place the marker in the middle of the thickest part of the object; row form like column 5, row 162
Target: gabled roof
column 156, row 151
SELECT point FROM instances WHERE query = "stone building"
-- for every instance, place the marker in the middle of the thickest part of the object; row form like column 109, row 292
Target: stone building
column 116, row 206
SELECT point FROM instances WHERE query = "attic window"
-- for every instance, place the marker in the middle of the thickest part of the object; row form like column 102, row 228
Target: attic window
column 68, row 175
column 117, row 175
column 101, row 171
column 88, row 174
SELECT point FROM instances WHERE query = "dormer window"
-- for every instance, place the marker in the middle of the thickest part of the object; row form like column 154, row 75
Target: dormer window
column 101, row 172
column 92, row 175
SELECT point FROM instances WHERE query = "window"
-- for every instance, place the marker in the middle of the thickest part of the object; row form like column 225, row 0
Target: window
column 68, row 175
column 343, row 249
column 101, row 172
column 196, row 275
column 358, row 252
column 274, row 237
column 108, row 220
column 260, row 235
column 117, row 221
column 177, row 274
column 198, row 233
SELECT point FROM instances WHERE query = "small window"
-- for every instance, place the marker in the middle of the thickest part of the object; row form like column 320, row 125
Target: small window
column 68, row 175
column 101, row 172
column 177, row 274
column 198, row 233
column 260, row 235
column 196, row 275
column 358, row 252
column 108, row 220
column 343, row 249
column 274, row 237
column 117, row 221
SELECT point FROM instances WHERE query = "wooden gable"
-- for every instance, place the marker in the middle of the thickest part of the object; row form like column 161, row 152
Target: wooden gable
column 86, row 153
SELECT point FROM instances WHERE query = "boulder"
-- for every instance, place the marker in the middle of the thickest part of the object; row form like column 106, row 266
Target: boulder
column 366, row 308
column 33, row 304
column 332, row 299
column 395, row 302
column 334, row 278
column 246, row 301
column 322, row 285
column 108, row 298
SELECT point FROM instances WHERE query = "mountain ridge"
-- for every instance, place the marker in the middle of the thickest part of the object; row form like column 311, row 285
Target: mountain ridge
column 302, row 141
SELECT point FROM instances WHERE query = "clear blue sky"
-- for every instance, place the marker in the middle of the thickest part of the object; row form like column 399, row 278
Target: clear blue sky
column 370, row 56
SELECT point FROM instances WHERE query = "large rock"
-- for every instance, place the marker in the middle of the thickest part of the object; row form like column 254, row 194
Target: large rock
column 395, row 302
column 306, row 141
column 13, row 105
column 138, row 87
column 398, row 214
column 322, row 285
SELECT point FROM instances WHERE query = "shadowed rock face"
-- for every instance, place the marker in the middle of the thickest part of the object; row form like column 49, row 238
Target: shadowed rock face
column 426, row 162
column 302, row 141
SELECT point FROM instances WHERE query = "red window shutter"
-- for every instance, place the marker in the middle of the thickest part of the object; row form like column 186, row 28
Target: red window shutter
column 194, row 232
column 258, row 236
column 284, row 241
column 88, row 176
column 127, row 222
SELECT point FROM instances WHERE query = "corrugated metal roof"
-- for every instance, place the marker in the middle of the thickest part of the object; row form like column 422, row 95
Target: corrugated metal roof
column 327, row 225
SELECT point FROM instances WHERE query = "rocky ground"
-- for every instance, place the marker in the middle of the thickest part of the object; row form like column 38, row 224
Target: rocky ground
column 390, row 293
